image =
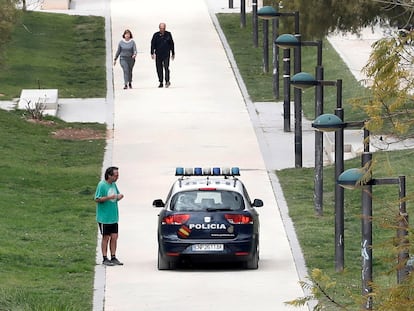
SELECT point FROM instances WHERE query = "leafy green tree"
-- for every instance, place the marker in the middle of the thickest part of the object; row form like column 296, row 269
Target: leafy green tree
column 8, row 18
column 340, row 15
column 390, row 77
column 321, row 289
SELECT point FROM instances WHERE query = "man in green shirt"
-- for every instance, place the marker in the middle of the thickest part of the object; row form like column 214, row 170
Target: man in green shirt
column 107, row 196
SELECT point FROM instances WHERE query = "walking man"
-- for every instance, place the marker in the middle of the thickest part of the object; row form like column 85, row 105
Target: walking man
column 106, row 197
column 162, row 48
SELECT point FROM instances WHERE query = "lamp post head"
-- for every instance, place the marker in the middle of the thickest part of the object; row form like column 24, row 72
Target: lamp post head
column 287, row 41
column 303, row 80
column 328, row 123
column 351, row 178
column 267, row 12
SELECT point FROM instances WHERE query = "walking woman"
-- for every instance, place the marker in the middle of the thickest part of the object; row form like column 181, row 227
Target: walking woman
column 127, row 51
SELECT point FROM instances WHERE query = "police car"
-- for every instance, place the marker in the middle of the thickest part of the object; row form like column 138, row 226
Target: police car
column 208, row 216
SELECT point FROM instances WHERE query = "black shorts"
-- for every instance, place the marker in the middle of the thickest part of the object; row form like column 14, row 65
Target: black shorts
column 108, row 229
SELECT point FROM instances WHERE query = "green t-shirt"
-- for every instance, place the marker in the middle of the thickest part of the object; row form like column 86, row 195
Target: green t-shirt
column 106, row 212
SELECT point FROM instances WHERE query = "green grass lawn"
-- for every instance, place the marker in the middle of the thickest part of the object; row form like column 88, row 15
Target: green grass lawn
column 47, row 223
column 56, row 51
column 47, row 254
column 316, row 234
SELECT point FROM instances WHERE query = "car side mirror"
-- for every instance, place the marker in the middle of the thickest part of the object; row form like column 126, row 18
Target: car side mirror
column 257, row 203
column 158, row 203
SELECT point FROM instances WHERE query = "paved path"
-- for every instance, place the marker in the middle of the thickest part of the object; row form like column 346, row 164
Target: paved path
column 355, row 49
column 201, row 120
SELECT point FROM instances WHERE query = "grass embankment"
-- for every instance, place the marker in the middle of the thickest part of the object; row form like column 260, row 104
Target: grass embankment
column 316, row 234
column 56, row 51
column 47, row 223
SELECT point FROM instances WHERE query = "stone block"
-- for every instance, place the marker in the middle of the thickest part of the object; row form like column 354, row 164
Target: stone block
column 55, row 4
column 47, row 97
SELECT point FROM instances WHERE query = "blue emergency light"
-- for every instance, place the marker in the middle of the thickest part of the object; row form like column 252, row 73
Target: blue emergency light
column 216, row 171
column 207, row 171
column 179, row 171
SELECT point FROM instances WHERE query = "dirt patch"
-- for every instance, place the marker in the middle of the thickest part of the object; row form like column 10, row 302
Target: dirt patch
column 78, row 134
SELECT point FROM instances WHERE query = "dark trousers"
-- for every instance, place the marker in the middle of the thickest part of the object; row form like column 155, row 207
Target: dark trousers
column 163, row 64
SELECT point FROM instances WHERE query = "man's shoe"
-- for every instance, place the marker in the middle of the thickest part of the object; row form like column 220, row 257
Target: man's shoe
column 108, row 262
column 115, row 261
column 167, row 84
column 161, row 85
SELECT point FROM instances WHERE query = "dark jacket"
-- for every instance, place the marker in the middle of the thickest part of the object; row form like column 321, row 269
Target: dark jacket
column 161, row 45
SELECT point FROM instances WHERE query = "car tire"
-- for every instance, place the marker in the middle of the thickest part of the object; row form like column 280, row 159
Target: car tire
column 164, row 264
column 253, row 264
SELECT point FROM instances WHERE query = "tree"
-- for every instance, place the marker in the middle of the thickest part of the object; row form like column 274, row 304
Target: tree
column 390, row 77
column 341, row 15
column 8, row 18
column 321, row 290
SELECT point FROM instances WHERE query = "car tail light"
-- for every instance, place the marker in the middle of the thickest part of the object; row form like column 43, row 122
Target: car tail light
column 241, row 253
column 173, row 254
column 177, row 219
column 239, row 219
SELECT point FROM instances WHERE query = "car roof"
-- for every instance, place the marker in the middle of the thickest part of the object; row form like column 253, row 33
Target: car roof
column 218, row 183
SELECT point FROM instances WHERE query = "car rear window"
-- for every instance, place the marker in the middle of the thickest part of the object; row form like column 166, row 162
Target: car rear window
column 201, row 200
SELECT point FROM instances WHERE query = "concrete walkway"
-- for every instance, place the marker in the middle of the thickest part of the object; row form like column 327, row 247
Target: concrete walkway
column 200, row 120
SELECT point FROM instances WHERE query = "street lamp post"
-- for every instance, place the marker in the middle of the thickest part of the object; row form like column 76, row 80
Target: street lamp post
column 255, row 24
column 304, row 80
column 275, row 50
column 287, row 41
column 357, row 178
column 329, row 123
column 366, row 242
column 267, row 13
column 242, row 13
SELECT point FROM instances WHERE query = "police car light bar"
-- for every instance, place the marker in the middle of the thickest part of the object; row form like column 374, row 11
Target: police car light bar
column 215, row 171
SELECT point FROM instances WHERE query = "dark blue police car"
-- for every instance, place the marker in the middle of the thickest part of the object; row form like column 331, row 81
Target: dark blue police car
column 208, row 216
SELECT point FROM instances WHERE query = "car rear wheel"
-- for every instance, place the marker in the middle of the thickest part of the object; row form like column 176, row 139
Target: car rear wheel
column 254, row 262
column 164, row 264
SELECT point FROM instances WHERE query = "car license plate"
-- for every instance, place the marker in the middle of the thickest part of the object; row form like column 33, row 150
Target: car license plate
column 208, row 247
